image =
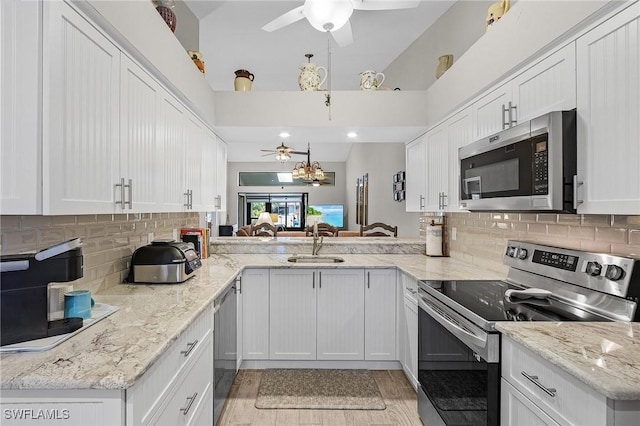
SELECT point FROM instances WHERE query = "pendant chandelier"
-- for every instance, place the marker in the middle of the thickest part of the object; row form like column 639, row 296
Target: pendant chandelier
column 308, row 171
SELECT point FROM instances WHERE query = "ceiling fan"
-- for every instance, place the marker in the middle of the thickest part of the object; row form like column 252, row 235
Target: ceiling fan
column 282, row 152
column 333, row 15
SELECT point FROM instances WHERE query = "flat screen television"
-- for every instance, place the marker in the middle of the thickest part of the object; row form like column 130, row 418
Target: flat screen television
column 333, row 214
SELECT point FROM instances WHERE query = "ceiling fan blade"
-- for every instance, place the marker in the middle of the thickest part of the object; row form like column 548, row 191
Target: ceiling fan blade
column 290, row 17
column 268, row 150
column 343, row 36
column 266, row 155
column 384, row 4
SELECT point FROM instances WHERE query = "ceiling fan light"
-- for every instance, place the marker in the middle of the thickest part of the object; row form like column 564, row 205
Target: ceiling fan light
column 327, row 15
column 315, row 182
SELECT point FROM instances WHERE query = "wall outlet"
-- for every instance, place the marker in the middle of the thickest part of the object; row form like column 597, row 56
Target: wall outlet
column 454, row 234
column 174, row 235
column 149, row 237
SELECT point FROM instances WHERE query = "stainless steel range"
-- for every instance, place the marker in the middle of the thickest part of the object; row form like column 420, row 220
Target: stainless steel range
column 459, row 348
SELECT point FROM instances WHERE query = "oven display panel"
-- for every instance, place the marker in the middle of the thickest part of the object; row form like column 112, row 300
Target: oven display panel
column 556, row 260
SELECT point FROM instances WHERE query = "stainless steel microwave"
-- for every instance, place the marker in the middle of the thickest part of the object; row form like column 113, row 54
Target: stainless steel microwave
column 528, row 167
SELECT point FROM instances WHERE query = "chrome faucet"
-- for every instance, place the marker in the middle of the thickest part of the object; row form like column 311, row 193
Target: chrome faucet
column 316, row 247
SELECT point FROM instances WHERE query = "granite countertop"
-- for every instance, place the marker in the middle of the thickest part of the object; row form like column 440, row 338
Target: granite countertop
column 115, row 352
column 603, row 355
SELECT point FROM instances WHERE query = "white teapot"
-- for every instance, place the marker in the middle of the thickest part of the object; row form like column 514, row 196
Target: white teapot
column 308, row 77
column 369, row 80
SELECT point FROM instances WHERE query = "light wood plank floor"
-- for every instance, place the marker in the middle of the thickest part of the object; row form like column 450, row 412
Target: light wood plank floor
column 397, row 392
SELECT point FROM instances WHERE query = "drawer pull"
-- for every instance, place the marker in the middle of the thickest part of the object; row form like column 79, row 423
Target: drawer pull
column 191, row 400
column 190, row 347
column 534, row 379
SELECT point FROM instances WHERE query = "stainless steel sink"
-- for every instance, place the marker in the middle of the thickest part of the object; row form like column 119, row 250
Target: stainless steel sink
column 315, row 259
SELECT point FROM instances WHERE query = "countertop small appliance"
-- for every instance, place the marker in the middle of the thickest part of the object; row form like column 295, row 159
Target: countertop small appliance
column 164, row 262
column 24, row 279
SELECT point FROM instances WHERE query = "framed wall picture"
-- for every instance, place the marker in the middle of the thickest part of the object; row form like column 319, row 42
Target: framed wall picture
column 398, row 186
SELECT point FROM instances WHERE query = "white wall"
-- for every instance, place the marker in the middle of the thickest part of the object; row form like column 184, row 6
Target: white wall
column 381, row 161
column 187, row 26
column 453, row 33
column 317, row 195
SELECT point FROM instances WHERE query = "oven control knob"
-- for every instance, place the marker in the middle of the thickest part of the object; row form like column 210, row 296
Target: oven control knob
column 521, row 317
column 593, row 268
column 613, row 272
column 522, row 254
column 511, row 251
column 510, row 314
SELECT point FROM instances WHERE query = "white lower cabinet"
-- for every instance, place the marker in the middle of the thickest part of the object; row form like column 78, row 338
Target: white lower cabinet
column 320, row 315
column 536, row 392
column 175, row 391
column 408, row 327
column 340, row 321
column 292, row 314
column 380, row 315
column 255, row 314
column 85, row 407
column 517, row 409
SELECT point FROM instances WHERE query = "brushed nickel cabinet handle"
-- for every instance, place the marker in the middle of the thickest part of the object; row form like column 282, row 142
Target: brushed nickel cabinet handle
column 190, row 347
column 506, row 112
column 130, row 187
column 121, row 186
column 191, row 400
column 534, row 379
column 576, row 184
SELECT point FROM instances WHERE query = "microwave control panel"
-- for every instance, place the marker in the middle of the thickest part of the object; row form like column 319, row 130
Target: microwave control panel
column 540, row 168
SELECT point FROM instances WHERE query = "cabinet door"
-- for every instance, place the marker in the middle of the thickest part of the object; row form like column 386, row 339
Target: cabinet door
column 240, row 322
column 255, row 314
column 193, row 168
column 411, row 343
column 81, row 89
column 341, row 314
column 517, row 409
column 292, row 314
column 20, row 148
column 459, row 129
column 487, row 112
column 380, row 315
column 608, row 74
column 437, row 168
column 415, row 175
column 171, row 138
column 549, row 85
column 221, row 176
column 209, row 170
column 140, row 154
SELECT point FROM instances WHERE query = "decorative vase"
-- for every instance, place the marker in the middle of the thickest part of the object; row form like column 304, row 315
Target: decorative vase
column 444, row 63
column 308, row 77
column 164, row 9
column 196, row 57
column 496, row 11
column 371, row 80
column 243, row 81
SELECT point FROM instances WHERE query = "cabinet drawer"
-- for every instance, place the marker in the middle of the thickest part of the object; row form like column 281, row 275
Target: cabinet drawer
column 568, row 400
column 146, row 394
column 193, row 386
column 517, row 409
column 410, row 288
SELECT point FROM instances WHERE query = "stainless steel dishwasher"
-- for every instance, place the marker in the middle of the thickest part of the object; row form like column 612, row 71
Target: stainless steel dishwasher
column 225, row 348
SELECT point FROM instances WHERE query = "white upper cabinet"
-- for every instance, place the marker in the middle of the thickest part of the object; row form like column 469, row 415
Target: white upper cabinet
column 20, row 148
column 209, row 171
column 196, row 135
column 548, row 85
column 172, row 134
column 608, row 94
column 80, row 132
column 140, row 153
column 221, row 176
column 437, row 170
column 415, row 175
column 459, row 130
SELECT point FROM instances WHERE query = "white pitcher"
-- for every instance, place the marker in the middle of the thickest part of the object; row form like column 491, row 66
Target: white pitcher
column 308, row 77
column 371, row 80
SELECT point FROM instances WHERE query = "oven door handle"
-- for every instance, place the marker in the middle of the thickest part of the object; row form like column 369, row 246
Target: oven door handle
column 455, row 329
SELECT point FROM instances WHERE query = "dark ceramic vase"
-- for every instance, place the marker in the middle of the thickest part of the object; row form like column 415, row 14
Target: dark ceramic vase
column 168, row 16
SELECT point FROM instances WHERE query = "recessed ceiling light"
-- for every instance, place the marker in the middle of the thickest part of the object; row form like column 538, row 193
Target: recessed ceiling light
column 284, row 135
column 352, row 135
